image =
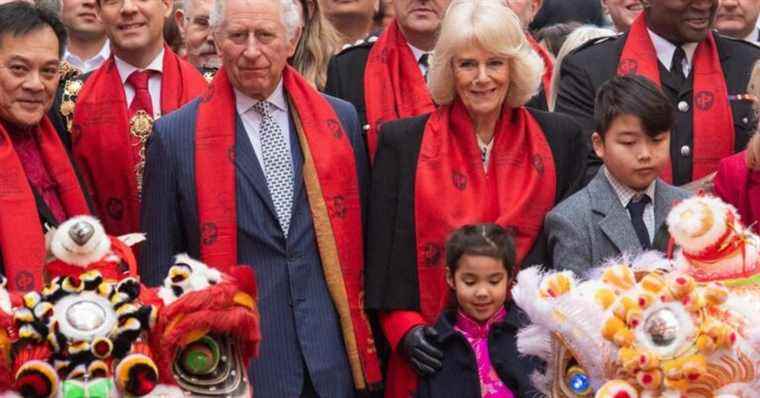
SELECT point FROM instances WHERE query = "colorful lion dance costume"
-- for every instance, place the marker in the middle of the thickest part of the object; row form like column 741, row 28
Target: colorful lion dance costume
column 652, row 327
column 95, row 332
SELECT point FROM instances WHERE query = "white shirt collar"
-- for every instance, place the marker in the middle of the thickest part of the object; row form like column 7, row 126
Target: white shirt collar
column 753, row 37
column 666, row 49
column 126, row 69
column 98, row 58
column 416, row 52
column 243, row 102
column 625, row 193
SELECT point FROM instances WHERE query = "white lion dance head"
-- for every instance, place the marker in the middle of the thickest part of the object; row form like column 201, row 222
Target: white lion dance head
column 653, row 329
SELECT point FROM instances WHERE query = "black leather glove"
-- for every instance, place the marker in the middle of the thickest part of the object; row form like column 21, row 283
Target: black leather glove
column 418, row 347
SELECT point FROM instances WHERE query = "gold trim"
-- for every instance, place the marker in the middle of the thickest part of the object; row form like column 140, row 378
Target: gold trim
column 140, row 127
column 328, row 252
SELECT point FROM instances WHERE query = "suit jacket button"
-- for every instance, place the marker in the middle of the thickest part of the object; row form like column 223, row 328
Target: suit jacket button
column 745, row 120
column 685, row 151
column 683, row 106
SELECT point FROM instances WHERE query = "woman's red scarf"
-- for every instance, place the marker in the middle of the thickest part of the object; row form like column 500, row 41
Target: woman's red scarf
column 713, row 123
column 21, row 238
column 332, row 192
column 546, row 79
column 104, row 149
column 452, row 189
column 394, row 87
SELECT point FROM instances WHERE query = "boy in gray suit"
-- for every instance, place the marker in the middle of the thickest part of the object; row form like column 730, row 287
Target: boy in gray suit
column 623, row 209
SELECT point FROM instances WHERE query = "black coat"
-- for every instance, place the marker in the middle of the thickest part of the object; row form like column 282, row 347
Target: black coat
column 459, row 375
column 588, row 67
column 391, row 271
column 345, row 77
column 560, row 11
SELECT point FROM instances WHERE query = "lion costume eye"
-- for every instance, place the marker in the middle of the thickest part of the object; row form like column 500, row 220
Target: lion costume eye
column 577, row 381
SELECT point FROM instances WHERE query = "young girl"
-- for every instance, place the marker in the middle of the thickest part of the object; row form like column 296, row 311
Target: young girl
column 477, row 337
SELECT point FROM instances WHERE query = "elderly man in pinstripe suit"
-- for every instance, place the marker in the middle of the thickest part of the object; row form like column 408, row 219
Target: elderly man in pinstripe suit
column 264, row 170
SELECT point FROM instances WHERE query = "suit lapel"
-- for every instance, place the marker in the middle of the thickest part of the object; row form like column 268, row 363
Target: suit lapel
column 615, row 224
column 247, row 164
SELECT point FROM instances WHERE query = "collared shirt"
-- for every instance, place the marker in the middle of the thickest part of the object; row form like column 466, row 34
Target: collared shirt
column 666, row 49
column 754, row 36
column 89, row 65
column 252, row 119
column 154, row 83
column 417, row 55
column 626, row 195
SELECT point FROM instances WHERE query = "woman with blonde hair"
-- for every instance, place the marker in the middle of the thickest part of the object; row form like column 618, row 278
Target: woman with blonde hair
column 482, row 156
column 738, row 179
column 319, row 41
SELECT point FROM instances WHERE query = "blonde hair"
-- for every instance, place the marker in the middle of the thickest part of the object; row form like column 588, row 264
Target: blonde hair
column 753, row 147
column 575, row 39
column 319, row 41
column 491, row 25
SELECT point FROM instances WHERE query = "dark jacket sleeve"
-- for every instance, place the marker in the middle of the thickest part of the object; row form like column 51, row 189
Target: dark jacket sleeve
column 576, row 92
column 391, row 271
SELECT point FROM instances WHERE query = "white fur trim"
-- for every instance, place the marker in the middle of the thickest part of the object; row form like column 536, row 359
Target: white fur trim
column 685, row 221
column 65, row 249
column 201, row 277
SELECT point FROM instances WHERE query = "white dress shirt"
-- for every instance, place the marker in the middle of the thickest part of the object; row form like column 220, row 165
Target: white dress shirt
column 754, row 36
column 626, row 195
column 666, row 49
column 252, row 119
column 417, row 55
column 154, row 83
column 89, row 65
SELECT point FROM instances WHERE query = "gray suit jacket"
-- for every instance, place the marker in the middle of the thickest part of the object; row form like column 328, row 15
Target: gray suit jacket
column 592, row 226
column 301, row 336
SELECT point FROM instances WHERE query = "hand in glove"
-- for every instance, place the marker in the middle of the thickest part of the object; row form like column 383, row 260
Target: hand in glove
column 418, row 347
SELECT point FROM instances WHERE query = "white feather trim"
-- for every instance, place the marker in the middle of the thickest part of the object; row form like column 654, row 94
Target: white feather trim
column 201, row 277
column 685, row 220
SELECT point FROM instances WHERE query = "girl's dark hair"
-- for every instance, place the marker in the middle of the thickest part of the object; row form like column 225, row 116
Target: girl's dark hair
column 487, row 239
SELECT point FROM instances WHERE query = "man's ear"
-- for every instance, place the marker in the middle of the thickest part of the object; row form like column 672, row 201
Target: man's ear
column 169, row 4
column 179, row 19
column 597, row 141
column 293, row 42
column 536, row 7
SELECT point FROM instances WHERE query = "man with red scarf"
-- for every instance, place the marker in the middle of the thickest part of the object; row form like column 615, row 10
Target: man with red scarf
column 264, row 170
column 705, row 74
column 117, row 104
column 39, row 187
column 384, row 78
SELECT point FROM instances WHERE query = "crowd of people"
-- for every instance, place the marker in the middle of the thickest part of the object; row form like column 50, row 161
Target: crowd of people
column 385, row 167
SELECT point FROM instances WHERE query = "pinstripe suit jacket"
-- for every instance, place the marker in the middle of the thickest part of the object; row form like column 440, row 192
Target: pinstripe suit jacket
column 300, row 330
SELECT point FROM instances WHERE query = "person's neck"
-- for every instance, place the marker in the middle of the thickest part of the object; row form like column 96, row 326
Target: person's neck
column 86, row 47
column 139, row 58
column 351, row 27
column 425, row 41
column 484, row 125
column 676, row 41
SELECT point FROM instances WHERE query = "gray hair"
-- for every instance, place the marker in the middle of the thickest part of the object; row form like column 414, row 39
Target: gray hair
column 291, row 15
column 574, row 40
column 495, row 27
column 53, row 6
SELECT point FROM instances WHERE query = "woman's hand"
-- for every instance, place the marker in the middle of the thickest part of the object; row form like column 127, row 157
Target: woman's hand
column 418, row 347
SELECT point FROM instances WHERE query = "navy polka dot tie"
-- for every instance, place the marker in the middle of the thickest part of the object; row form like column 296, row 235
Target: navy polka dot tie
column 278, row 168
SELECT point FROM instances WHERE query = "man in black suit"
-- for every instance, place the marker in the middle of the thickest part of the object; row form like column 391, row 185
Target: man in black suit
column 418, row 22
column 738, row 18
column 670, row 33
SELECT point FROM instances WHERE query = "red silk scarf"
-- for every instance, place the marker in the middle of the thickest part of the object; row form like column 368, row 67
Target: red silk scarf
column 104, row 149
column 546, row 79
column 394, row 87
column 516, row 193
column 334, row 161
column 713, row 123
column 21, row 239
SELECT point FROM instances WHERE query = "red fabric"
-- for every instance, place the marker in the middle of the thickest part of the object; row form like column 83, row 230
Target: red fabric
column 516, row 193
column 740, row 187
column 336, row 170
column 394, row 87
column 142, row 101
column 110, row 270
column 101, row 137
column 396, row 324
column 546, row 79
column 21, row 239
column 713, row 123
column 28, row 152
